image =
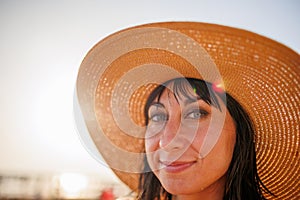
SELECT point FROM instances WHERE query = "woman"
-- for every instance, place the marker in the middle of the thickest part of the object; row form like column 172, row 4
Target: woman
column 228, row 172
column 213, row 109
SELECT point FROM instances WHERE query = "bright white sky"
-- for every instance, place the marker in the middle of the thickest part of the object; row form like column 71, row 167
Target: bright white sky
column 42, row 44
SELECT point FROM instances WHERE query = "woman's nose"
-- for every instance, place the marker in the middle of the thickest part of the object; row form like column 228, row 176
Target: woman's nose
column 170, row 135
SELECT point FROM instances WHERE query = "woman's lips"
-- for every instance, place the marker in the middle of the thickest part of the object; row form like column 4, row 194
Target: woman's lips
column 176, row 167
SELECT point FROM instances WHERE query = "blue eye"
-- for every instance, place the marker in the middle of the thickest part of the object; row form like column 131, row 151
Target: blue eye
column 196, row 114
column 160, row 117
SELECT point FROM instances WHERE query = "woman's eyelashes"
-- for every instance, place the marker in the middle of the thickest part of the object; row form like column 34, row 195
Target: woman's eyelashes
column 158, row 117
column 195, row 114
column 157, row 113
column 196, row 111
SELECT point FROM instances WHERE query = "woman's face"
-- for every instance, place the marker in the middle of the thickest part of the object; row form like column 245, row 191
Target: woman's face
column 175, row 133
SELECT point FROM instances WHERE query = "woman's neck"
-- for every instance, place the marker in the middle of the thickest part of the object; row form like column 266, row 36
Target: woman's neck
column 211, row 196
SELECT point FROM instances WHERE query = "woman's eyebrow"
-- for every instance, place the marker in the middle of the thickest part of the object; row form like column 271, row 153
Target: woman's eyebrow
column 190, row 101
column 193, row 100
column 157, row 104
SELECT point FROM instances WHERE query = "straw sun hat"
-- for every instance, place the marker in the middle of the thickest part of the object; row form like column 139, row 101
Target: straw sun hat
column 119, row 72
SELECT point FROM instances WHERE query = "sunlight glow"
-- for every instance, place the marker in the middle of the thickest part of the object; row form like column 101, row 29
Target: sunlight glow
column 72, row 184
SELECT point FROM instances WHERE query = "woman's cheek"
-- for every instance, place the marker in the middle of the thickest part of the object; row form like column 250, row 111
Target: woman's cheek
column 151, row 143
column 151, row 146
column 199, row 138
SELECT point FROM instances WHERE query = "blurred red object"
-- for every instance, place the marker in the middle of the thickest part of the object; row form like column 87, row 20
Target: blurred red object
column 107, row 194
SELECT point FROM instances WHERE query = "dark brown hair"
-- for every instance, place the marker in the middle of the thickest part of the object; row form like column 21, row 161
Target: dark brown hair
column 242, row 181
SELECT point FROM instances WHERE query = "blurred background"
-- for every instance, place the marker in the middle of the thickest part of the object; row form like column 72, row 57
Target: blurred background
column 42, row 44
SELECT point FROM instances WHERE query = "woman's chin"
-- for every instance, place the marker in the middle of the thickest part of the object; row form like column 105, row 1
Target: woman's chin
column 178, row 188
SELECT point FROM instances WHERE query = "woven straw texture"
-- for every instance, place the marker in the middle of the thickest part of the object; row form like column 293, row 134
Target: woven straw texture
column 264, row 76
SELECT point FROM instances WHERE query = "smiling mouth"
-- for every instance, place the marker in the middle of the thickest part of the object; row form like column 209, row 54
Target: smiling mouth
column 176, row 167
